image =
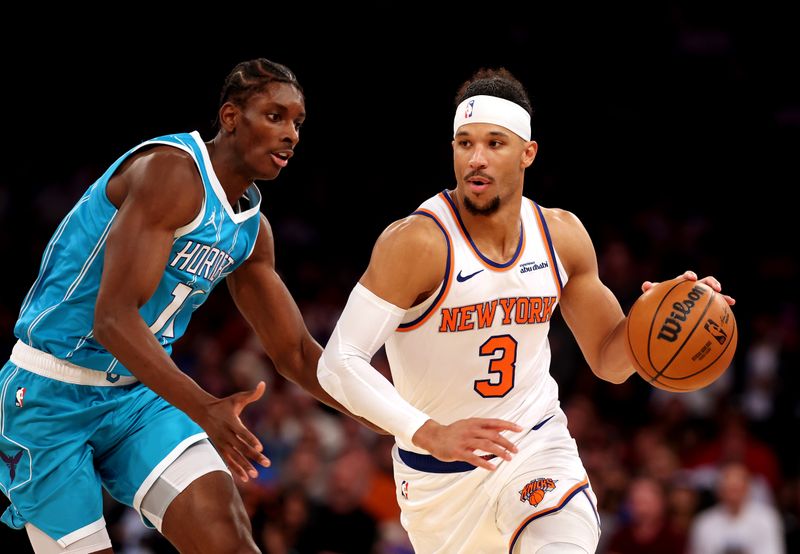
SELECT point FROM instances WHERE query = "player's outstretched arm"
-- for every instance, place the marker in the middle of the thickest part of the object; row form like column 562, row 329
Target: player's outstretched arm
column 265, row 302
column 156, row 193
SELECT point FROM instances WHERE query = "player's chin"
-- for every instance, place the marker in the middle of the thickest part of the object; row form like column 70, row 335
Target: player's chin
column 268, row 172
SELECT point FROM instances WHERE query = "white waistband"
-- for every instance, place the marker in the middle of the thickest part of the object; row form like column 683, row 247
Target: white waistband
column 47, row 365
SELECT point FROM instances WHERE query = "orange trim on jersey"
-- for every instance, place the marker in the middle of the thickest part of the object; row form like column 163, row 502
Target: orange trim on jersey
column 432, row 308
column 481, row 258
column 566, row 497
column 553, row 266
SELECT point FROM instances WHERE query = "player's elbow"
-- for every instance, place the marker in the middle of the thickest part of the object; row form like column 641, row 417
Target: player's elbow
column 298, row 362
column 290, row 366
column 617, row 374
column 329, row 370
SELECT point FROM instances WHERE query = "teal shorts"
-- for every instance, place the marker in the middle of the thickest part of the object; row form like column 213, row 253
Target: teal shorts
column 61, row 443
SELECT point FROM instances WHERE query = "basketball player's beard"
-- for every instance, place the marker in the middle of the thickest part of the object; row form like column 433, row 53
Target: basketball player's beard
column 488, row 209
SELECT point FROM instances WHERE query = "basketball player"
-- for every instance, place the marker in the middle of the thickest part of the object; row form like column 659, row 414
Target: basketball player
column 462, row 292
column 90, row 396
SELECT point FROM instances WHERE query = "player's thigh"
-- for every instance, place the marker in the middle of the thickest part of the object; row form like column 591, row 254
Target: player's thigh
column 197, row 504
column 48, row 472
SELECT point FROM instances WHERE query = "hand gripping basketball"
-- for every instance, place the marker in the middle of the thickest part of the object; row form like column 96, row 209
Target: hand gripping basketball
column 681, row 335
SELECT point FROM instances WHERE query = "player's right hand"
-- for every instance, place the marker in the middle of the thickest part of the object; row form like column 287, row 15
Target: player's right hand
column 234, row 442
column 459, row 440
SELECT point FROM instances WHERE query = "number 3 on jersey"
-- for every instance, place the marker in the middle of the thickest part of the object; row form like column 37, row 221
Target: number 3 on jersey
column 505, row 366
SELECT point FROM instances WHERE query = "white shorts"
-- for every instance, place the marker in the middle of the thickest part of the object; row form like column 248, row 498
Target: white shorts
column 479, row 511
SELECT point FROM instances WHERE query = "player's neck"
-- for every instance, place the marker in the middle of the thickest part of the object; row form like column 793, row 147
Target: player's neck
column 495, row 234
column 233, row 182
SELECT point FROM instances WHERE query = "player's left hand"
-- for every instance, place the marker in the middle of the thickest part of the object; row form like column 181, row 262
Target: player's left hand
column 692, row 276
column 234, row 442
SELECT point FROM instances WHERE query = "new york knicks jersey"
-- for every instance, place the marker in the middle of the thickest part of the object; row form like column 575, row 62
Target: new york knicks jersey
column 57, row 315
column 478, row 346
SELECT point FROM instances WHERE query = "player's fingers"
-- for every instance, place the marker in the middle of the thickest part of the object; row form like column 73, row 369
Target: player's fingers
column 712, row 282
column 501, row 441
column 494, row 448
column 496, row 438
column 235, row 467
column 477, row 461
column 253, row 453
column 248, row 438
column 242, row 462
column 690, row 275
column 729, row 299
column 498, row 424
column 647, row 285
column 244, row 398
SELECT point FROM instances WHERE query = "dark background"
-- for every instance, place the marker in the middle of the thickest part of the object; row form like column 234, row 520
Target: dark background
column 672, row 132
column 685, row 111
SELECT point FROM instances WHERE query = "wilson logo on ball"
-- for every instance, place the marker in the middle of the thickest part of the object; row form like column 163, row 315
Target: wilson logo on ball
column 671, row 327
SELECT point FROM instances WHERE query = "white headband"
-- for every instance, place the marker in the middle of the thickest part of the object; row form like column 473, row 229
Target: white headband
column 491, row 109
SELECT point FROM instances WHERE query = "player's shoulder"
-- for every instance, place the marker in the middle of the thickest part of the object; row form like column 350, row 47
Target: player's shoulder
column 162, row 181
column 162, row 162
column 164, row 171
column 413, row 233
column 559, row 218
column 408, row 261
column 570, row 238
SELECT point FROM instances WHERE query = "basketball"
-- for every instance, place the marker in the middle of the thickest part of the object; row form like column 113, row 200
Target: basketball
column 681, row 335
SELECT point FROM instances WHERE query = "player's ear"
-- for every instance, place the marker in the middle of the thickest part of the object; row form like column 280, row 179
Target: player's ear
column 229, row 116
column 529, row 153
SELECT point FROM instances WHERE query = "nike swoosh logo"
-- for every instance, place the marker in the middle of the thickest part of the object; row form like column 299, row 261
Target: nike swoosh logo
column 461, row 278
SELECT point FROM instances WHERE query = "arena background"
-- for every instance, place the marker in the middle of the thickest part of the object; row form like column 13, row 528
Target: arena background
column 671, row 132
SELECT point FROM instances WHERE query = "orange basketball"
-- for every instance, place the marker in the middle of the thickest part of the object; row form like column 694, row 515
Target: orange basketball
column 681, row 335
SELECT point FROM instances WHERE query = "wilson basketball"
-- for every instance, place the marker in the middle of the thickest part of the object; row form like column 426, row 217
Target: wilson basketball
column 681, row 335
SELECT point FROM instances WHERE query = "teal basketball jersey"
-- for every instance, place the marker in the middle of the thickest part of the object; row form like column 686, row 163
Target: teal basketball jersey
column 57, row 315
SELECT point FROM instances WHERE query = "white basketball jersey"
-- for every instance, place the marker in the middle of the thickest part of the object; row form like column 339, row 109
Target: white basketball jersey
column 478, row 346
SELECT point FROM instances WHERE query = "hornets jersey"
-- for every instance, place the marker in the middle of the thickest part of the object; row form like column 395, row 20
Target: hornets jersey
column 478, row 346
column 57, row 314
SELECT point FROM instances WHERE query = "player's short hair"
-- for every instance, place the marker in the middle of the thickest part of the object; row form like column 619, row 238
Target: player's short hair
column 495, row 82
column 252, row 77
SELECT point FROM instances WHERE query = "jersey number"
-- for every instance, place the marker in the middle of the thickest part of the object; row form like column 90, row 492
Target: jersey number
column 505, row 366
column 179, row 295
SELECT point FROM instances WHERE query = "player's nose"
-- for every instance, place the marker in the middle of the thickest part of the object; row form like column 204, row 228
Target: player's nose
column 291, row 133
column 477, row 160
